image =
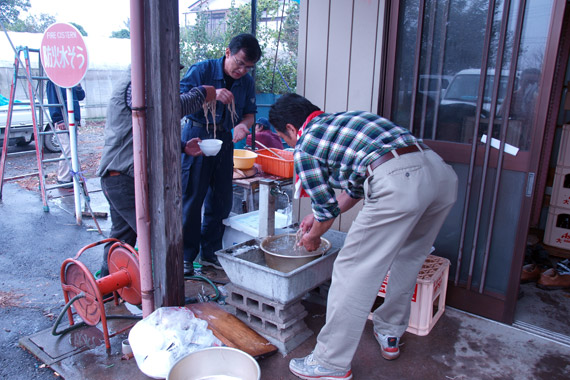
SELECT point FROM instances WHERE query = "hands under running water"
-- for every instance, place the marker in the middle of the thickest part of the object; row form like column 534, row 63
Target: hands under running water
column 305, row 238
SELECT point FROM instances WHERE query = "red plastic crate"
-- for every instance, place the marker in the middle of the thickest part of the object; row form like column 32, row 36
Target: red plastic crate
column 428, row 301
column 272, row 164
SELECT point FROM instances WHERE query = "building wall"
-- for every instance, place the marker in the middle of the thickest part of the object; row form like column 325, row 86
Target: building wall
column 339, row 64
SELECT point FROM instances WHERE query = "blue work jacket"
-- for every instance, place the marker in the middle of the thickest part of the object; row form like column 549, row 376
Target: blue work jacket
column 211, row 72
column 55, row 112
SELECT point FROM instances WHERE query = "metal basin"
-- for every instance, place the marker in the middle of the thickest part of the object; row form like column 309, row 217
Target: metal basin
column 216, row 363
column 282, row 255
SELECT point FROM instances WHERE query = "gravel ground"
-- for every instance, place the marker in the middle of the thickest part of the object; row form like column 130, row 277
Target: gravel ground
column 90, row 142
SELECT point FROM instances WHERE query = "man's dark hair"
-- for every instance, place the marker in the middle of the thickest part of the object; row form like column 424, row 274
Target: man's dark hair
column 290, row 109
column 248, row 43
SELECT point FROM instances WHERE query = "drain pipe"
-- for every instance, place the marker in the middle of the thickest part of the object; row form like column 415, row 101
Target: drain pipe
column 139, row 151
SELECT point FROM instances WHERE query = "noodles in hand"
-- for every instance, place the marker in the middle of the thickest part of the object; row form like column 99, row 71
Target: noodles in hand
column 210, row 107
column 233, row 113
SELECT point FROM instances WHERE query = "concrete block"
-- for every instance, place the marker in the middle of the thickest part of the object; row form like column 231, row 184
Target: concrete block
column 263, row 306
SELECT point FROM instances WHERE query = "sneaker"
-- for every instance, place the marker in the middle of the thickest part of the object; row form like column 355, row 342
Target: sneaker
column 390, row 346
column 308, row 368
column 214, row 263
column 66, row 184
column 188, row 268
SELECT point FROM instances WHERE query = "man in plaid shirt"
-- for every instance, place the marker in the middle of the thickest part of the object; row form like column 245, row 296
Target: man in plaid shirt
column 408, row 190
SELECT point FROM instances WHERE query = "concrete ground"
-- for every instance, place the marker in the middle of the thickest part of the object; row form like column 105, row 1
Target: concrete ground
column 33, row 245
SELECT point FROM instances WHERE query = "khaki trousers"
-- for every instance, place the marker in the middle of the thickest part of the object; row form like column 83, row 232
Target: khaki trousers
column 63, row 168
column 406, row 202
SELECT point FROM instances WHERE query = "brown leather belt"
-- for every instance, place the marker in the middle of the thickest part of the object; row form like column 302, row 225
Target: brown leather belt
column 113, row 173
column 389, row 155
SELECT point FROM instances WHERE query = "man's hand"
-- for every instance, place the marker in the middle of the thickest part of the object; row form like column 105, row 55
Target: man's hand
column 312, row 238
column 223, row 95
column 210, row 93
column 240, row 132
column 192, row 148
column 311, row 242
column 307, row 223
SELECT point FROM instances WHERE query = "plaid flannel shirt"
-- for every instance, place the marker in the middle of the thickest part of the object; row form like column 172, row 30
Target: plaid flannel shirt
column 335, row 150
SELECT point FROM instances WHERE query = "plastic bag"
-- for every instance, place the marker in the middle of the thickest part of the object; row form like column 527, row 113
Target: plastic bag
column 165, row 336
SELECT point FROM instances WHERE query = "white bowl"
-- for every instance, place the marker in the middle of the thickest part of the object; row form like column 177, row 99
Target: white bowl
column 210, row 147
column 214, row 363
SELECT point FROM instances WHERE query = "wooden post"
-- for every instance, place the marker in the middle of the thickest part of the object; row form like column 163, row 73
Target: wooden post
column 163, row 125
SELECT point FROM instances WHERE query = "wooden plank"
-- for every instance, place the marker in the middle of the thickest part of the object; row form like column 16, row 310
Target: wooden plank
column 232, row 331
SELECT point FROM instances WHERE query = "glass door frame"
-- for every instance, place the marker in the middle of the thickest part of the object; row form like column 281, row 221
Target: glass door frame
column 534, row 162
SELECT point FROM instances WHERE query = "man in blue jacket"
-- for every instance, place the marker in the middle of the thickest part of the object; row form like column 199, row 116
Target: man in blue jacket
column 116, row 168
column 207, row 181
column 64, row 171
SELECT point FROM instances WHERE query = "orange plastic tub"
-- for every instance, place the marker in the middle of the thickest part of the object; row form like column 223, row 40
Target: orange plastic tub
column 274, row 165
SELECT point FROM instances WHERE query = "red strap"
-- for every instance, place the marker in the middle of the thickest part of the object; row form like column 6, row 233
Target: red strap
column 299, row 191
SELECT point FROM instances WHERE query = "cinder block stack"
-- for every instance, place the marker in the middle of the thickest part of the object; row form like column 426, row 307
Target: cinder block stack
column 282, row 324
column 557, row 231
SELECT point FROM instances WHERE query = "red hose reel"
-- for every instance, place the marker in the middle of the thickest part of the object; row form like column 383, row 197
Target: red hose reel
column 123, row 280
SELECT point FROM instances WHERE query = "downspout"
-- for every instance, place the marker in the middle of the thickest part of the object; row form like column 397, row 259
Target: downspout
column 254, row 32
column 139, row 151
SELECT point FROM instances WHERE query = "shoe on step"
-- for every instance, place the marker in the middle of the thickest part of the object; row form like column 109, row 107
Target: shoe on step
column 214, row 263
column 188, row 268
column 390, row 346
column 552, row 280
column 531, row 272
column 66, row 184
column 307, row 368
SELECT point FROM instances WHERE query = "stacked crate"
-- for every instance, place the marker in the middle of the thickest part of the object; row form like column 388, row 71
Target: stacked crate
column 557, row 231
column 428, row 300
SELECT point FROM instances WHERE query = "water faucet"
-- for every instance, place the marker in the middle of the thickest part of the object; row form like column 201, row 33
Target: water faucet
column 268, row 192
column 277, row 190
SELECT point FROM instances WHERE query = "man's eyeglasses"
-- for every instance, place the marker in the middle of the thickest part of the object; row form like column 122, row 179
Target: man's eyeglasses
column 242, row 65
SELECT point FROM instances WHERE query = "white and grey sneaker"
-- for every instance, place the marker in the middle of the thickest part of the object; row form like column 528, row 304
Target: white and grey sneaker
column 390, row 346
column 307, row 368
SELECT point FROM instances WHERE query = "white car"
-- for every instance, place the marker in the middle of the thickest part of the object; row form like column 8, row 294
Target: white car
column 22, row 128
column 428, row 84
column 464, row 88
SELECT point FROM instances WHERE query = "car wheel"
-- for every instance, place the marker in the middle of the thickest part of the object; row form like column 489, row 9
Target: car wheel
column 50, row 141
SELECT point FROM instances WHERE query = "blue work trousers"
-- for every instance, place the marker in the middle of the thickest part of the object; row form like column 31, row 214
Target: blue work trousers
column 206, row 181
